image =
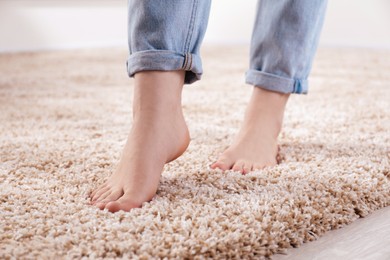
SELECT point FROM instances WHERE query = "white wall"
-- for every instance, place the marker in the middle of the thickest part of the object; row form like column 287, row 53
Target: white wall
column 54, row 24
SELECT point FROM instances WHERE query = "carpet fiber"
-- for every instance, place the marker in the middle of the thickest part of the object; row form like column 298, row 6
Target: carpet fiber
column 65, row 117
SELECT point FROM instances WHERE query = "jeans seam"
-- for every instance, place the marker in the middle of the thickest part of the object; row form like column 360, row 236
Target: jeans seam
column 191, row 27
column 185, row 61
column 315, row 41
column 190, row 62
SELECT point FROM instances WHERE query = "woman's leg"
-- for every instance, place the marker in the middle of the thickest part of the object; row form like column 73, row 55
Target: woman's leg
column 284, row 41
column 164, row 42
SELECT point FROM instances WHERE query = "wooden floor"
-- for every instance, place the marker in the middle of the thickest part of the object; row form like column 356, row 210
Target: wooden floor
column 365, row 239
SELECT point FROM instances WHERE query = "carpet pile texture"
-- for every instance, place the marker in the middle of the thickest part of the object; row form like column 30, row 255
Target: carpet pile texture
column 65, row 117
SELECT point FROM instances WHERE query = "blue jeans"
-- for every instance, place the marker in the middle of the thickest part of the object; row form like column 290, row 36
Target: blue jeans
column 167, row 35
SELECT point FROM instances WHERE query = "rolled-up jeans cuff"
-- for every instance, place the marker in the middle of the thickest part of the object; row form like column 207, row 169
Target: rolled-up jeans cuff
column 276, row 83
column 164, row 60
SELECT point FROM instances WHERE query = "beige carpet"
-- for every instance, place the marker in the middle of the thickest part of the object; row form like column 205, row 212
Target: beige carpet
column 64, row 119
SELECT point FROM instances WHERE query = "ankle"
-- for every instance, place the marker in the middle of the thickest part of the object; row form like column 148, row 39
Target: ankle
column 265, row 113
column 159, row 111
column 158, row 92
column 268, row 104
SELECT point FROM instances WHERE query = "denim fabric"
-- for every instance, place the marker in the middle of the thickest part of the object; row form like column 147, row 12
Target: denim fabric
column 284, row 41
column 167, row 34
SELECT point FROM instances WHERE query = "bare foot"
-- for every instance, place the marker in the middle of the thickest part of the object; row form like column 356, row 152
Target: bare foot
column 159, row 135
column 255, row 146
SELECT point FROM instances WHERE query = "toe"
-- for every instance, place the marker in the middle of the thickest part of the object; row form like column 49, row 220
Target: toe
column 101, row 204
column 99, row 193
column 124, row 203
column 113, row 206
column 219, row 165
column 257, row 166
column 238, row 166
column 270, row 164
column 97, row 189
column 261, row 166
column 222, row 163
column 247, row 167
column 113, row 196
column 103, row 196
